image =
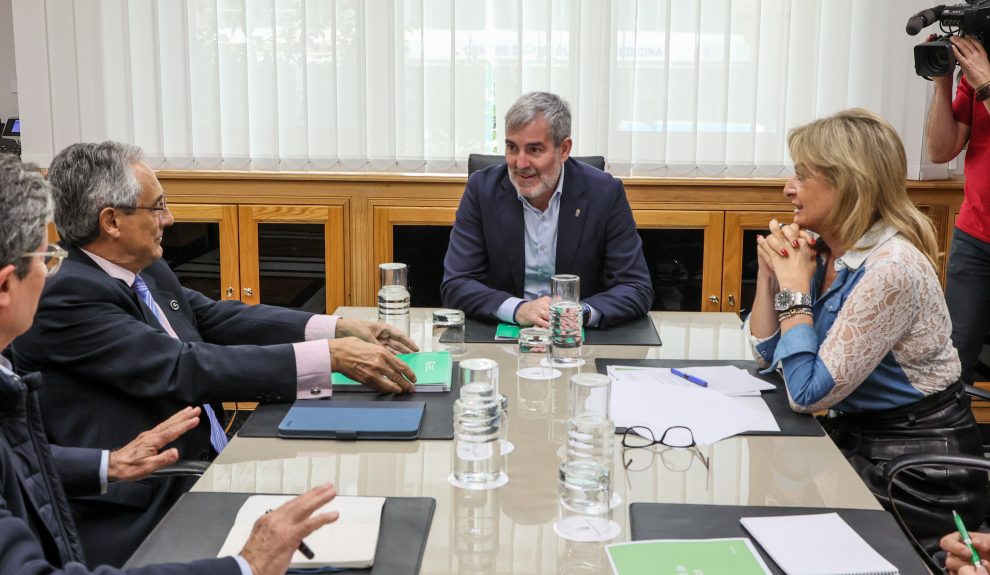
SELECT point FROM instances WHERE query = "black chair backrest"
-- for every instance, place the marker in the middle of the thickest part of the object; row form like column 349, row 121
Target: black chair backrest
column 481, row 161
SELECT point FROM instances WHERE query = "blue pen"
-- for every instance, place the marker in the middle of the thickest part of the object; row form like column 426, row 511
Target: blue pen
column 689, row 377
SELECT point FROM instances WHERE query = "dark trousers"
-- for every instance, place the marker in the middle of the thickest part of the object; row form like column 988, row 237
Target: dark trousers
column 967, row 292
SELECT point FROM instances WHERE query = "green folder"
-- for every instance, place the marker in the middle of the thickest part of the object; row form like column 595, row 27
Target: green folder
column 709, row 556
column 433, row 370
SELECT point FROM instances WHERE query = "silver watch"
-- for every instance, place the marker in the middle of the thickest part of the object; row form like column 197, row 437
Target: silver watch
column 787, row 299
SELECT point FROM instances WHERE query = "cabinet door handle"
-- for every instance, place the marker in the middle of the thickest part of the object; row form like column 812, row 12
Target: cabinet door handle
column 249, row 292
column 713, row 299
column 732, row 300
column 230, row 292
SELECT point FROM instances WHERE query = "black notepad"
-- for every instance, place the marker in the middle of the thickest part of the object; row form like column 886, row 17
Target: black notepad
column 328, row 419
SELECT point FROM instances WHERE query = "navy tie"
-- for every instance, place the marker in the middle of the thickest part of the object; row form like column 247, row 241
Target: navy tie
column 217, row 436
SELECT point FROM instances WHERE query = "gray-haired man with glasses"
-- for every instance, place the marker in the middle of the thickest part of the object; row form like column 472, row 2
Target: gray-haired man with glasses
column 122, row 344
column 37, row 532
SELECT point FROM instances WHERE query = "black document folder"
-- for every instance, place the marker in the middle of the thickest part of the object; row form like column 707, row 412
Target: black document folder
column 197, row 526
column 639, row 331
column 789, row 421
column 438, row 416
column 686, row 521
column 329, row 419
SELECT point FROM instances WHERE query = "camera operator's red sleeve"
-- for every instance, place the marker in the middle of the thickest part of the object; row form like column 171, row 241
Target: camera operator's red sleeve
column 962, row 104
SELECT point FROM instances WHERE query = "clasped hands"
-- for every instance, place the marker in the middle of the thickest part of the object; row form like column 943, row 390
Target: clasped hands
column 365, row 352
column 787, row 254
column 536, row 312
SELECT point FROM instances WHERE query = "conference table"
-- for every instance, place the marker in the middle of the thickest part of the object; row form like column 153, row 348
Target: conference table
column 510, row 530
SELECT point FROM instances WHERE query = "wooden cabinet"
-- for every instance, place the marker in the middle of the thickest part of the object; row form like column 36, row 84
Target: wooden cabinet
column 417, row 236
column 739, row 266
column 284, row 255
column 293, row 256
column 683, row 251
column 202, row 249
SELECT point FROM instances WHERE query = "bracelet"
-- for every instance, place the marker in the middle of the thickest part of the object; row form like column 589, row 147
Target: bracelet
column 800, row 310
column 983, row 92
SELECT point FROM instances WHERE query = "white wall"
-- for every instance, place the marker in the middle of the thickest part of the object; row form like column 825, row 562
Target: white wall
column 8, row 98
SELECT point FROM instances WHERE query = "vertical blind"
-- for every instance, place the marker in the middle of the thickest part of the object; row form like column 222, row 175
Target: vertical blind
column 659, row 87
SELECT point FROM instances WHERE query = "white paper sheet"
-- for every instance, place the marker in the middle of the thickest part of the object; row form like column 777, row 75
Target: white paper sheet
column 655, row 398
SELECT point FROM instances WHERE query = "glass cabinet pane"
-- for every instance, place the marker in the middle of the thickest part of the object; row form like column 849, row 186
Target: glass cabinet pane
column 675, row 259
column 292, row 266
column 423, row 249
column 750, row 267
column 192, row 250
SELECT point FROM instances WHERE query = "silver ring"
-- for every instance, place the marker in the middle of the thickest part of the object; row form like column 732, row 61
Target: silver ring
column 781, row 225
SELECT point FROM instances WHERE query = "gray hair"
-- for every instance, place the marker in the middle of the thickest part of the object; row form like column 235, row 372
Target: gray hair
column 533, row 105
column 25, row 209
column 87, row 178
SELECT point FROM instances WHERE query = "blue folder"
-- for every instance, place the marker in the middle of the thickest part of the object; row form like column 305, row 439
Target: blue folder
column 352, row 419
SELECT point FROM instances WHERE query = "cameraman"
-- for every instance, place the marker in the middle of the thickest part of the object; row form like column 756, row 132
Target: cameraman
column 951, row 124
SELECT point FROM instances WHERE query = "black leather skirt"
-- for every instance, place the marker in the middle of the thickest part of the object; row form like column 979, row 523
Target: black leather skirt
column 941, row 423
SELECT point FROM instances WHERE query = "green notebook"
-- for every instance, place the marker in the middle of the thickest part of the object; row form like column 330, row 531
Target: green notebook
column 432, row 369
column 691, row 556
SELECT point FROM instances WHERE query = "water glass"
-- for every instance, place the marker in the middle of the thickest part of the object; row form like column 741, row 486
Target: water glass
column 477, row 413
column 534, row 352
column 393, row 296
column 448, row 331
column 565, row 287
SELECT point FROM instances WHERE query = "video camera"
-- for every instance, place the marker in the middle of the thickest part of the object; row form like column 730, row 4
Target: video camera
column 935, row 58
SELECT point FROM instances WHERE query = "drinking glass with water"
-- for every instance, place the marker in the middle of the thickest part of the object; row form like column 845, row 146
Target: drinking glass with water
column 566, row 318
column 477, row 414
column 393, row 296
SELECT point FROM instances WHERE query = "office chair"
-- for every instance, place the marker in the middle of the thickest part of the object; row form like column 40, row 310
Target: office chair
column 938, row 460
column 182, row 468
column 481, row 161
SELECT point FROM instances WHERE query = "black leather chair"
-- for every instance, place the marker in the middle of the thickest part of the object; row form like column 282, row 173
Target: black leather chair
column 481, row 161
column 937, row 460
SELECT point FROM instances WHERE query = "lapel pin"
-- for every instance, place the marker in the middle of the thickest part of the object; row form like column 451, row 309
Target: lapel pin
column 577, row 213
column 174, row 305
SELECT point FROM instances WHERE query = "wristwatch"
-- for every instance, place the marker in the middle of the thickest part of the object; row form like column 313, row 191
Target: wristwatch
column 787, row 299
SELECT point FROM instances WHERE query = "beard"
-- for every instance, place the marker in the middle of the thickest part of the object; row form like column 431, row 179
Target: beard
column 544, row 185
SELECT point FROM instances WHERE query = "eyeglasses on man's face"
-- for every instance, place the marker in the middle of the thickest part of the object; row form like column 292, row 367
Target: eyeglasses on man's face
column 678, row 441
column 53, row 256
column 159, row 209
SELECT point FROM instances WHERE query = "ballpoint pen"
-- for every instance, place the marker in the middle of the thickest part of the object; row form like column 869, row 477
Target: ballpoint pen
column 693, row 379
column 974, row 556
column 303, row 548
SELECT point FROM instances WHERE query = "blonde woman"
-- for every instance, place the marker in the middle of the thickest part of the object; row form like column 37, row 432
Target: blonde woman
column 854, row 316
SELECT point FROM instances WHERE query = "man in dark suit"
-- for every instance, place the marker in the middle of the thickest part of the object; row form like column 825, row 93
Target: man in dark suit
column 541, row 214
column 37, row 533
column 122, row 344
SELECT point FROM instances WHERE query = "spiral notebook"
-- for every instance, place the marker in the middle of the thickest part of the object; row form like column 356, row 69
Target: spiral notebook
column 820, row 544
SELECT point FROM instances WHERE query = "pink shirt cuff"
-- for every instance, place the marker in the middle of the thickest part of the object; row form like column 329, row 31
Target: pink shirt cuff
column 321, row 327
column 313, row 366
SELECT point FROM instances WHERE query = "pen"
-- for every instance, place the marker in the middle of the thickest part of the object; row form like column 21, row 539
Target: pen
column 303, row 548
column 689, row 377
column 974, row 556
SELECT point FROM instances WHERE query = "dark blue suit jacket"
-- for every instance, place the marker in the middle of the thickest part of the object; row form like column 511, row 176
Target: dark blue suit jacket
column 37, row 534
column 596, row 239
column 111, row 371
